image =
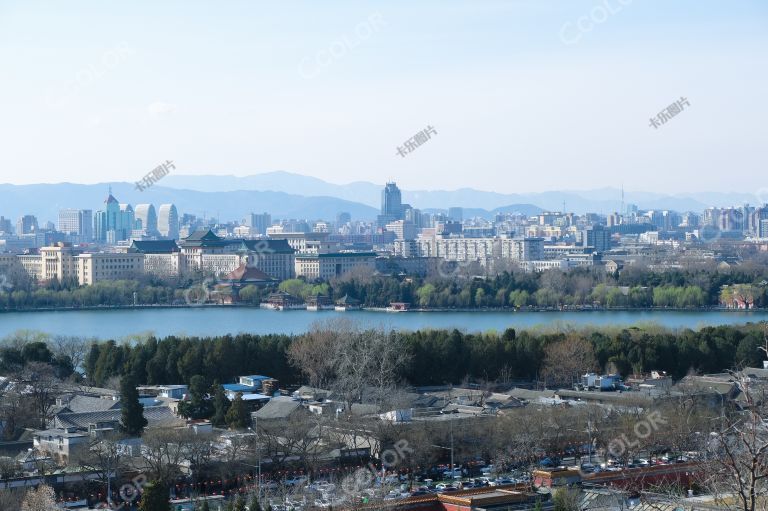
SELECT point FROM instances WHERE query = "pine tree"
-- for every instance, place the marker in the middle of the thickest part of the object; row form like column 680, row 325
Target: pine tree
column 220, row 405
column 132, row 421
column 154, row 498
column 239, row 504
column 255, row 505
column 237, row 417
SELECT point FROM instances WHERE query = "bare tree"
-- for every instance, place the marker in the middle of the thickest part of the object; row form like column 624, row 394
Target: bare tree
column 104, row 458
column 41, row 499
column 738, row 451
column 165, row 450
column 351, row 361
column 311, row 352
column 565, row 361
column 41, row 385
column 72, row 347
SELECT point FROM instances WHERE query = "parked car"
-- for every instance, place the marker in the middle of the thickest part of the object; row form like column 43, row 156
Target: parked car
column 450, row 475
column 295, row 480
column 549, row 462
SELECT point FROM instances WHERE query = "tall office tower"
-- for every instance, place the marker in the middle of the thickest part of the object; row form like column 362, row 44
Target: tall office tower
column 456, row 214
column 5, row 225
column 77, row 222
column 27, row 224
column 391, row 204
column 145, row 213
column 258, row 222
column 343, row 218
column 168, row 221
column 115, row 222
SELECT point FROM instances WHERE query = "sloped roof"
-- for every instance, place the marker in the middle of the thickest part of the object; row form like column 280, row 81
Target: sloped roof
column 245, row 273
column 82, row 404
column 156, row 416
column 277, row 408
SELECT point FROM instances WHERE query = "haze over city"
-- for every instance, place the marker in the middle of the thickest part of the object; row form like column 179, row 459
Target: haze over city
column 436, row 255
column 524, row 96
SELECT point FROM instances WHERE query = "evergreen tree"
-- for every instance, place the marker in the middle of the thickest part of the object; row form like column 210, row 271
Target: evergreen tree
column 198, row 406
column 132, row 421
column 237, row 417
column 205, row 506
column 255, row 505
column 154, row 498
column 239, row 504
column 220, row 405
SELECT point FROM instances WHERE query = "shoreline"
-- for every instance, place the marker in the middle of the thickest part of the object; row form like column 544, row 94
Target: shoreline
column 386, row 310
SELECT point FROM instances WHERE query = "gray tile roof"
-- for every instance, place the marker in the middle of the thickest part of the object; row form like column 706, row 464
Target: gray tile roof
column 277, row 408
column 156, row 416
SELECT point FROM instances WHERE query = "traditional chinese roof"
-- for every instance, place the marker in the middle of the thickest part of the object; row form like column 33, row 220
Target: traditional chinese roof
column 203, row 238
column 247, row 274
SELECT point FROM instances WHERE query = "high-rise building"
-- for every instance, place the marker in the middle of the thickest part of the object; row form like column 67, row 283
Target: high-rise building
column 77, row 223
column 258, row 222
column 115, row 222
column 168, row 221
column 146, row 219
column 5, row 225
column 27, row 224
column 391, row 204
column 597, row 237
column 343, row 218
column 456, row 214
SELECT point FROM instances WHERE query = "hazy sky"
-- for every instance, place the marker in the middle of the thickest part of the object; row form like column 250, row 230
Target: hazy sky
column 524, row 95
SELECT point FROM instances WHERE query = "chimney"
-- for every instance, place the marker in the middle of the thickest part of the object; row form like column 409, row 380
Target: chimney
column 765, row 364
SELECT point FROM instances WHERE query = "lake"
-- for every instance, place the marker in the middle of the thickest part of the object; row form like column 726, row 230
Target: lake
column 208, row 321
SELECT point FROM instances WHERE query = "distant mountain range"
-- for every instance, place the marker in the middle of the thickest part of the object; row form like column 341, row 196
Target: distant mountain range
column 290, row 195
column 604, row 200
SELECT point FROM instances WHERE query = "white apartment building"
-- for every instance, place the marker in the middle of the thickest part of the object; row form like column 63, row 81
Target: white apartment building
column 58, row 263
column 473, row 249
column 108, row 266
column 327, row 266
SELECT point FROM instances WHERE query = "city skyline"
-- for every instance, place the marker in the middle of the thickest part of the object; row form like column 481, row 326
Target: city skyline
column 547, row 93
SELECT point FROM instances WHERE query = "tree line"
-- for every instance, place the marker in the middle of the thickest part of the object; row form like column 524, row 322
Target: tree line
column 636, row 286
column 433, row 356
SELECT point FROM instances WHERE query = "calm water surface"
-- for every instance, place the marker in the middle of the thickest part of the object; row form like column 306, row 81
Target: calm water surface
column 120, row 323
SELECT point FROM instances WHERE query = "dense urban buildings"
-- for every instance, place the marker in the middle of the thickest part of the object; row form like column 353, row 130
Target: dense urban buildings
column 163, row 243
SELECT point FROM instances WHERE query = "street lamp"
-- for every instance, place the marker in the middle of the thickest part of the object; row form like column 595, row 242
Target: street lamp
column 258, row 450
